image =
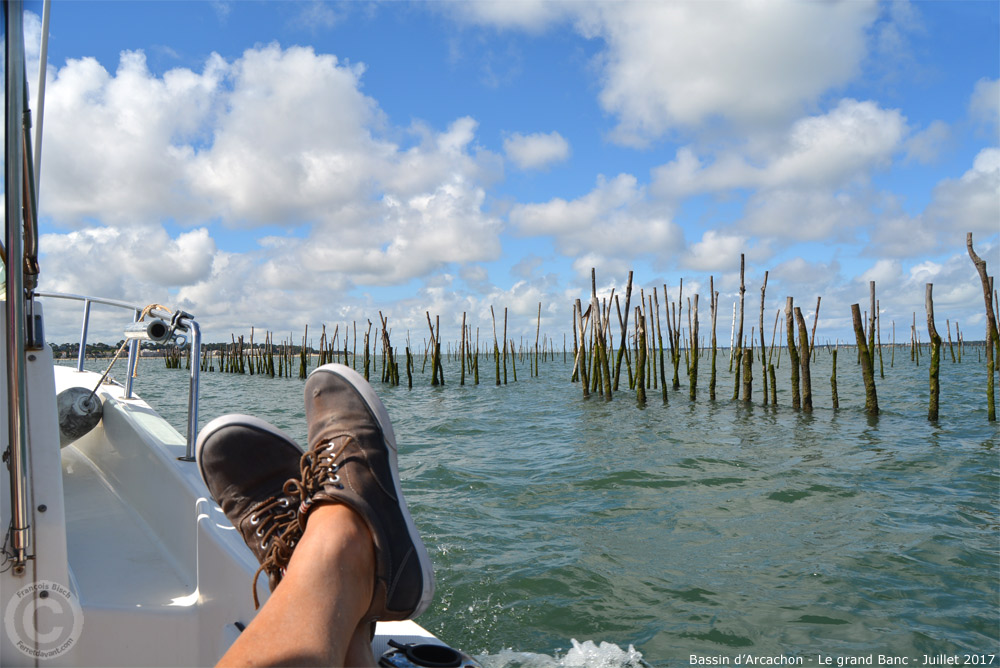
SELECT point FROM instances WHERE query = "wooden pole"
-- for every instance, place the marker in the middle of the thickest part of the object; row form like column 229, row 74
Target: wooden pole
column 793, row 355
column 694, row 352
column 763, row 349
column 714, row 297
column 582, row 363
column 739, row 332
column 935, row 386
column 622, row 347
column 871, row 396
column 992, row 335
column 833, row 378
column 640, row 335
column 659, row 340
column 807, row 399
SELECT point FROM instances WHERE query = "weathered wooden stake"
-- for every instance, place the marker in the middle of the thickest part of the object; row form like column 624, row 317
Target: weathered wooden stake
column 694, row 352
column 992, row 335
column 833, row 378
column 763, row 349
column 714, row 296
column 793, row 355
column 622, row 347
column 640, row 336
column 935, row 386
column 871, row 396
column 807, row 398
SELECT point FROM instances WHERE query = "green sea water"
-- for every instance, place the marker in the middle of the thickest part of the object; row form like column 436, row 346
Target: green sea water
column 567, row 531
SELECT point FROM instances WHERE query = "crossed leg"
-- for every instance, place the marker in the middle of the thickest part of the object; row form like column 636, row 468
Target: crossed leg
column 315, row 616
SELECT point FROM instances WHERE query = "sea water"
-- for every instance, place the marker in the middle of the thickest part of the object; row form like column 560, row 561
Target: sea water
column 573, row 532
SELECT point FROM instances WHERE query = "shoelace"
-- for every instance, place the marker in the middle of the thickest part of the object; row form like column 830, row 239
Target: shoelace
column 318, row 468
column 277, row 533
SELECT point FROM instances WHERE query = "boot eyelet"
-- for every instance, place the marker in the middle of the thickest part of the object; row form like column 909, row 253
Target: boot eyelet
column 254, row 520
column 260, row 532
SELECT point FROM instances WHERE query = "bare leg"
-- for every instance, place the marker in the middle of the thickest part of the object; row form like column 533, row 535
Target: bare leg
column 313, row 618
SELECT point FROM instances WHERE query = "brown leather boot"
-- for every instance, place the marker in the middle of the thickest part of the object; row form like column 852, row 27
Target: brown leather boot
column 352, row 460
column 245, row 463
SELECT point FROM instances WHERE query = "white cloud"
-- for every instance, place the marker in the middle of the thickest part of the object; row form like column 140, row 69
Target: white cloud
column 536, row 151
column 805, row 214
column 115, row 145
column 925, row 146
column 279, row 137
column 971, row 202
column 613, row 221
column 670, row 65
column 145, row 261
column 984, row 105
column 716, row 251
column 833, row 149
column 530, row 15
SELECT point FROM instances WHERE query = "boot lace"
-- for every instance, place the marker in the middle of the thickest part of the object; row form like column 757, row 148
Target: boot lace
column 319, row 468
column 277, row 533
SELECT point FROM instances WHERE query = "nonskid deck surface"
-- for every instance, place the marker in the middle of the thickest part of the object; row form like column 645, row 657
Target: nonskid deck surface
column 116, row 559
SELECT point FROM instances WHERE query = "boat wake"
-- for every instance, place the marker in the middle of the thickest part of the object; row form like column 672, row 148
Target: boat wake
column 584, row 654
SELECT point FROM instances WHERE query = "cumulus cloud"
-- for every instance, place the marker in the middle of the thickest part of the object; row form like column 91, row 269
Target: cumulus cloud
column 971, row 202
column 279, row 137
column 925, row 146
column 673, row 65
column 536, row 151
column 984, row 106
column 716, row 251
column 670, row 66
column 146, row 261
column 827, row 150
column 613, row 221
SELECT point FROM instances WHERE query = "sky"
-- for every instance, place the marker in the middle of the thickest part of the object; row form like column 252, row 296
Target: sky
column 283, row 164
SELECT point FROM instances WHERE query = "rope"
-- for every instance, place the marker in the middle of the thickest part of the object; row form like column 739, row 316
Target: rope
column 135, row 372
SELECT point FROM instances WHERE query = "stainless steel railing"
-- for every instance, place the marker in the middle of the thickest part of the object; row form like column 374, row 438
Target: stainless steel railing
column 180, row 323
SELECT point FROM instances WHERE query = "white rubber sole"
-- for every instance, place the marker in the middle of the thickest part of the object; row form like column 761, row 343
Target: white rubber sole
column 366, row 391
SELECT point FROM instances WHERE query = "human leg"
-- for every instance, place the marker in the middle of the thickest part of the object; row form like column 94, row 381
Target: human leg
column 314, row 617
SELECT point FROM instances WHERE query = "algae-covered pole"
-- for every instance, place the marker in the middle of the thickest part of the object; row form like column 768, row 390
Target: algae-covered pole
column 871, row 397
column 763, row 349
column 771, row 375
column 739, row 331
column 694, row 351
column 935, row 386
column 622, row 347
column 871, row 322
column 659, row 343
column 807, row 397
column 640, row 370
column 793, row 355
column 833, row 378
column 538, row 331
column 746, row 360
column 878, row 329
column 504, row 339
column 461, row 354
column 992, row 336
column 496, row 346
column 714, row 300
column 581, row 357
column 951, row 346
column 812, row 337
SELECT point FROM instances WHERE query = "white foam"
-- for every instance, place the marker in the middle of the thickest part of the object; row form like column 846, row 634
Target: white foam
column 584, row 654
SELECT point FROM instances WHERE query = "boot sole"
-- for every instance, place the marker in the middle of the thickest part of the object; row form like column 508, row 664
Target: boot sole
column 377, row 408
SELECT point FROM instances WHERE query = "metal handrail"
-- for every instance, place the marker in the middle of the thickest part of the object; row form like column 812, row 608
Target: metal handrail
column 180, row 321
column 14, row 307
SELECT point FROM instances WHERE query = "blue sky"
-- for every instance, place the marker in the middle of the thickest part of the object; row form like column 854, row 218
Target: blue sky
column 278, row 164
